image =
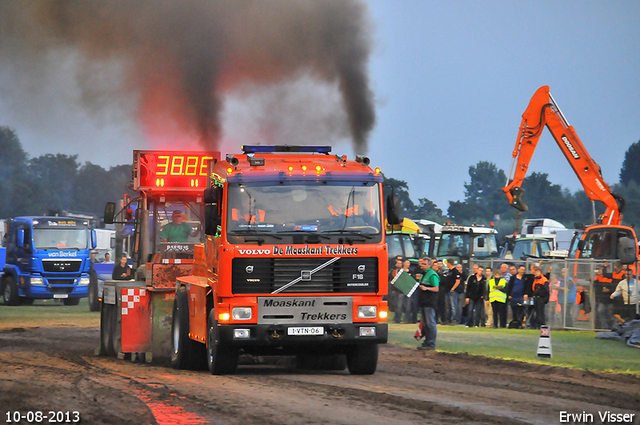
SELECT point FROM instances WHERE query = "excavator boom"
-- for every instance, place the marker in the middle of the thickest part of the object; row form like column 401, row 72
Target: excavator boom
column 544, row 111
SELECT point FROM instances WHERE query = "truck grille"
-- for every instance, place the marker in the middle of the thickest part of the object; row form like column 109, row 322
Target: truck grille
column 265, row 275
column 61, row 266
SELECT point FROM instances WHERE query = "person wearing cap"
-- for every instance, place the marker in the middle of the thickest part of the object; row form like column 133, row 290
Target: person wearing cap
column 176, row 230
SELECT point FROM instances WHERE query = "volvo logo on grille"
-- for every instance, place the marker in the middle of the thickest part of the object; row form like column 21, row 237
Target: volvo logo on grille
column 361, row 268
column 249, row 269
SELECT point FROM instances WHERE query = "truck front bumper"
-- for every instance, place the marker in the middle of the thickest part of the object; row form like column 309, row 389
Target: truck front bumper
column 274, row 339
column 53, row 290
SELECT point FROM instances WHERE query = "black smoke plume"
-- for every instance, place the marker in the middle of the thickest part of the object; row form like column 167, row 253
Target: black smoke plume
column 180, row 58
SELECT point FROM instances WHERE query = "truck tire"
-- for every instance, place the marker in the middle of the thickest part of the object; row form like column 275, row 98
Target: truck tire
column 221, row 360
column 94, row 302
column 71, row 301
column 186, row 353
column 362, row 359
column 106, row 335
column 10, row 291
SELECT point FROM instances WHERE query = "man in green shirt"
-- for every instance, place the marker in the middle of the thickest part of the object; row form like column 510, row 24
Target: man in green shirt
column 177, row 231
column 428, row 299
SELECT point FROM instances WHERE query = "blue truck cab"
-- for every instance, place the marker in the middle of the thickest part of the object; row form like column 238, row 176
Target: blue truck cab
column 46, row 257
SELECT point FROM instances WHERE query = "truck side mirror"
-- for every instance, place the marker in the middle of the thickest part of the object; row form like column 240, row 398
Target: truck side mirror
column 628, row 250
column 211, row 195
column 393, row 210
column 481, row 242
column 94, row 239
column 20, row 238
column 109, row 212
column 581, row 245
column 211, row 219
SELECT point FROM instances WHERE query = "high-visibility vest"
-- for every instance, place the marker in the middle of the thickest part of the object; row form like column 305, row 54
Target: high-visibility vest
column 349, row 212
column 494, row 293
column 246, row 217
column 539, row 281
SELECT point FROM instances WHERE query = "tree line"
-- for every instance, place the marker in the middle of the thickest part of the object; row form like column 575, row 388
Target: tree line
column 486, row 203
column 49, row 183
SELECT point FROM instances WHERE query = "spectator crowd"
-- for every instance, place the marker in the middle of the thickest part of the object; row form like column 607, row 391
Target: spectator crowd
column 484, row 297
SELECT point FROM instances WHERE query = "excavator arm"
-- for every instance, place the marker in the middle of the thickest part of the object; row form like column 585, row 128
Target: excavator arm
column 543, row 111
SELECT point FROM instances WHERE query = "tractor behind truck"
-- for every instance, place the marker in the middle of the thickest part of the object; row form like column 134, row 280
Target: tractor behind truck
column 289, row 259
column 467, row 244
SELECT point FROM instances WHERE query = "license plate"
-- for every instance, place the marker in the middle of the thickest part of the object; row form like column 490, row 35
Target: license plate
column 60, row 295
column 316, row 330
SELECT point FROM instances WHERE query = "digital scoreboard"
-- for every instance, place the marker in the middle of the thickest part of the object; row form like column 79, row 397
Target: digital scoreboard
column 171, row 170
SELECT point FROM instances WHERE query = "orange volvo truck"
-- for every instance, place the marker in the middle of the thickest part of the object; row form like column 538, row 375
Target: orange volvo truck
column 606, row 239
column 293, row 261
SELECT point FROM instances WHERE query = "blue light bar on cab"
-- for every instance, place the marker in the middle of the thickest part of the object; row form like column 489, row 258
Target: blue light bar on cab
column 285, row 148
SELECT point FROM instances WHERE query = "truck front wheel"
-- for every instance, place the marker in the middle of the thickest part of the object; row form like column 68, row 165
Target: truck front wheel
column 362, row 359
column 94, row 302
column 221, row 360
column 186, row 353
column 106, row 335
column 10, row 291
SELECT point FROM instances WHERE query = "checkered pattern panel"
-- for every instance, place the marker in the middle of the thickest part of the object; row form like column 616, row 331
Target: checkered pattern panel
column 130, row 297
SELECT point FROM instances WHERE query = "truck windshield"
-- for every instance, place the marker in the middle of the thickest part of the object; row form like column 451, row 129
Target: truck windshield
column 458, row 244
column 453, row 244
column 532, row 247
column 322, row 208
column 60, row 238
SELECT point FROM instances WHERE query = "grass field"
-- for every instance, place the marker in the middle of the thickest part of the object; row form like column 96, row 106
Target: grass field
column 48, row 313
column 574, row 349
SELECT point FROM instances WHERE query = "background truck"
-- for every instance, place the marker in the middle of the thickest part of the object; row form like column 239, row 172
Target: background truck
column 46, row 257
column 411, row 240
column 290, row 260
column 523, row 247
column 467, row 244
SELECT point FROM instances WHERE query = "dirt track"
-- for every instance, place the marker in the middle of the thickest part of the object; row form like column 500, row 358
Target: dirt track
column 55, row 369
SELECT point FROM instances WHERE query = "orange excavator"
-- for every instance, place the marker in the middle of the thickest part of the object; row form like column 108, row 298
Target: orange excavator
column 601, row 240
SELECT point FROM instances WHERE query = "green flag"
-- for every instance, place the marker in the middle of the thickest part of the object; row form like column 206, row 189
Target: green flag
column 405, row 283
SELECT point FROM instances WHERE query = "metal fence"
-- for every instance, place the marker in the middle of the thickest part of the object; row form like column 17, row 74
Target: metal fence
column 564, row 310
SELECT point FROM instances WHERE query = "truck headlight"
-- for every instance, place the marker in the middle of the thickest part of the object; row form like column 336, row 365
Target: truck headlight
column 84, row 281
column 367, row 331
column 37, row 281
column 367, row 312
column 241, row 334
column 241, row 313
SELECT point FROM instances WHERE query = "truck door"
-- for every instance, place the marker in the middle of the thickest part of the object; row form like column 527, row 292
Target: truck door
column 21, row 255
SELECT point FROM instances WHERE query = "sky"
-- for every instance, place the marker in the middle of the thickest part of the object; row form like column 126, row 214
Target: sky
column 451, row 80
